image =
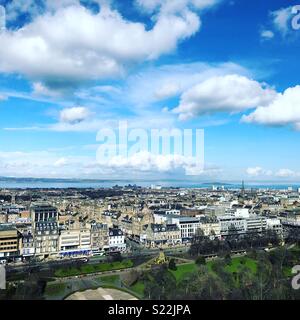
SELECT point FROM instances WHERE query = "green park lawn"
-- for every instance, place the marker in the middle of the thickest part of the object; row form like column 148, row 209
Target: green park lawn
column 183, row 270
column 287, row 271
column 54, row 289
column 138, row 288
column 109, row 279
column 237, row 263
column 86, row 269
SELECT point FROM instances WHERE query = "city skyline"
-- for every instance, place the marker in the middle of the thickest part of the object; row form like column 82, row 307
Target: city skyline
column 228, row 67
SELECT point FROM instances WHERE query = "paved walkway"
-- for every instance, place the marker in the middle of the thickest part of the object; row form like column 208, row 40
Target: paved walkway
column 101, row 294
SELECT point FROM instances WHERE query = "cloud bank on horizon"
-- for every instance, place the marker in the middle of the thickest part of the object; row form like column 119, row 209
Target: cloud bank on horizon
column 73, row 67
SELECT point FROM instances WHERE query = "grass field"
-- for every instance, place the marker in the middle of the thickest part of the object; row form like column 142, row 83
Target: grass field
column 86, row 269
column 237, row 263
column 287, row 271
column 138, row 288
column 109, row 279
column 54, row 289
column 183, row 270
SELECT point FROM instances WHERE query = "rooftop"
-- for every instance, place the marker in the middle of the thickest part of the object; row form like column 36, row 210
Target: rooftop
column 7, row 227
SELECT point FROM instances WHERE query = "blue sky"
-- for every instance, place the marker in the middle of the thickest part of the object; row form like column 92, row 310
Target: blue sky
column 69, row 69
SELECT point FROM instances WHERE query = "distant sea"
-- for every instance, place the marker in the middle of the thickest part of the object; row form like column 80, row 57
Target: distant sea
column 36, row 183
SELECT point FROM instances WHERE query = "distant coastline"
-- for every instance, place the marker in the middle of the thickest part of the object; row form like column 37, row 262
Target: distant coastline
column 60, row 183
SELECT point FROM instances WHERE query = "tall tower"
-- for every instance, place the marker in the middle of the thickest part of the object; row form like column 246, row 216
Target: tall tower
column 243, row 188
column 13, row 198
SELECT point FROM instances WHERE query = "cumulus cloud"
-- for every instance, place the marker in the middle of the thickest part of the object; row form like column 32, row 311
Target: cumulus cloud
column 94, row 124
column 267, row 34
column 229, row 93
column 17, row 8
column 171, row 6
column 285, row 173
column 74, row 115
column 281, row 22
column 258, row 171
column 55, row 50
column 146, row 161
column 283, row 110
column 48, row 164
column 254, row 171
column 61, row 162
column 282, row 19
column 41, row 90
column 281, row 173
column 167, row 90
column 24, row 11
column 168, row 81
column 44, row 164
column 54, row 163
column 54, row 5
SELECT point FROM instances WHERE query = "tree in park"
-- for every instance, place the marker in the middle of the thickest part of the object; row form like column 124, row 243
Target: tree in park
column 203, row 285
column 159, row 283
column 200, row 260
column 172, row 264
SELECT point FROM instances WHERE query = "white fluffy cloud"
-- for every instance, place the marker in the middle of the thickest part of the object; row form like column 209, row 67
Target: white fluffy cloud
column 145, row 161
column 41, row 90
column 254, row 171
column 167, row 90
column 286, row 173
column 57, row 50
column 281, row 19
column 168, row 81
column 258, row 171
column 46, row 164
column 74, row 115
column 267, row 34
column 53, row 164
column 281, row 23
column 283, row 110
column 61, row 162
column 281, row 173
column 229, row 93
column 171, row 6
column 14, row 9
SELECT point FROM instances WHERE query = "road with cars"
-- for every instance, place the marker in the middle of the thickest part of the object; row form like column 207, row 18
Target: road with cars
column 135, row 251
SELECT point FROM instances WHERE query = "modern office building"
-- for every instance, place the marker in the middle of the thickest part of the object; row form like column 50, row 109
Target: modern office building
column 9, row 241
column 75, row 241
column 231, row 222
column 256, row 224
column 188, row 226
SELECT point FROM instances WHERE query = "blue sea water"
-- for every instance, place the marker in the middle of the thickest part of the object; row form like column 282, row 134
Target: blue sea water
column 25, row 183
